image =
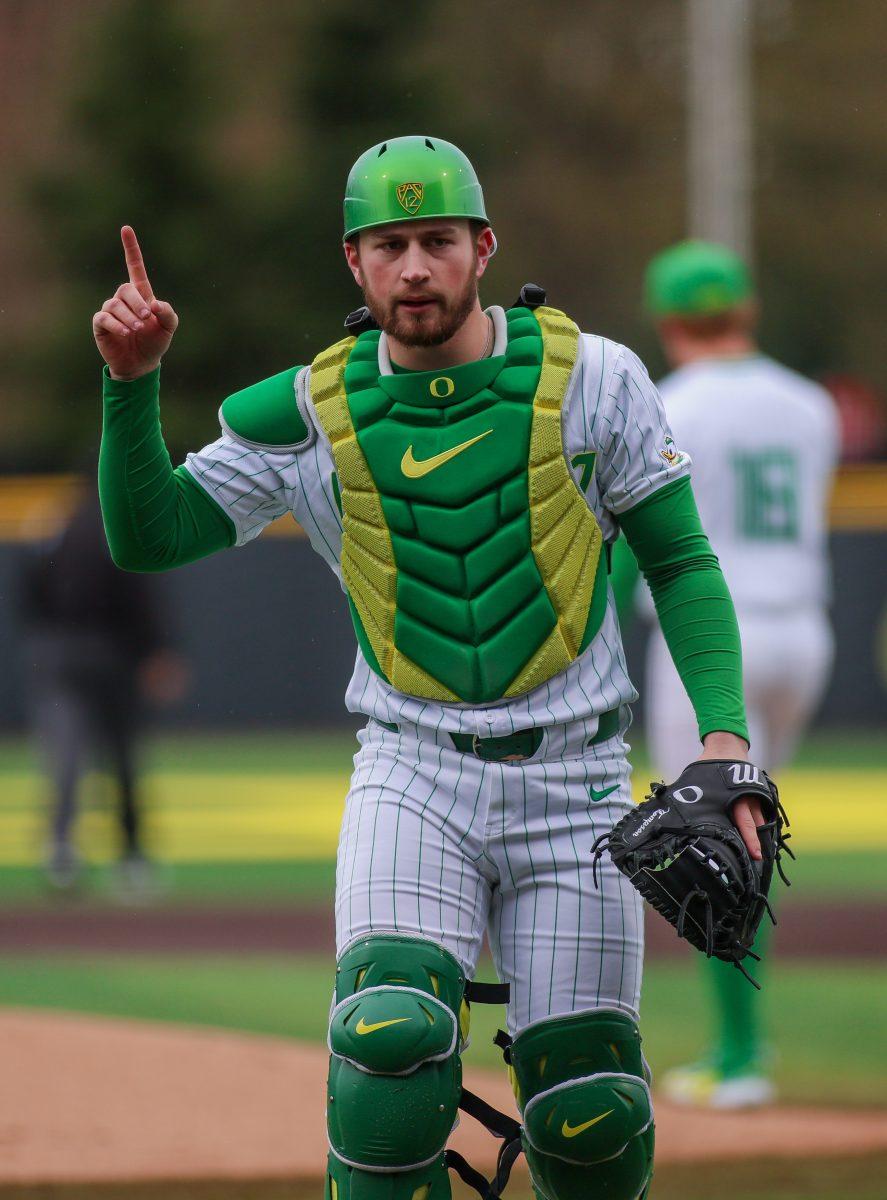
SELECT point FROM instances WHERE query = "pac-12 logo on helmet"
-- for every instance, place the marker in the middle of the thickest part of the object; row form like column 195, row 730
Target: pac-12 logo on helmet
column 410, row 196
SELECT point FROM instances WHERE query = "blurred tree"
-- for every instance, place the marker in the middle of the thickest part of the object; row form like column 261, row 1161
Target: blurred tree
column 142, row 133
column 361, row 81
column 137, row 134
column 224, row 135
column 253, row 265
column 822, row 183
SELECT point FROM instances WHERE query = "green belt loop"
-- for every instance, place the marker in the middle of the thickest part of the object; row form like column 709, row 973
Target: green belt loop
column 522, row 744
column 526, row 742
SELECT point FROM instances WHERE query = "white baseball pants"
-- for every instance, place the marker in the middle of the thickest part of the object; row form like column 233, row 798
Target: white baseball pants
column 442, row 845
column 786, row 660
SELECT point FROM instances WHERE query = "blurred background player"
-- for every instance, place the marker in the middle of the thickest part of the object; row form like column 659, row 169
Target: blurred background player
column 764, row 443
column 98, row 647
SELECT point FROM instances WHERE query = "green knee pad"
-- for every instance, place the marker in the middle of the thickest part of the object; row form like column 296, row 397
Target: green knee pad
column 398, row 1023
column 582, row 1088
column 351, row 1183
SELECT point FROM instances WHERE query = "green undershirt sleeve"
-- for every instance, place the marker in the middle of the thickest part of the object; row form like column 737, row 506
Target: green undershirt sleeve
column 692, row 602
column 624, row 576
column 155, row 517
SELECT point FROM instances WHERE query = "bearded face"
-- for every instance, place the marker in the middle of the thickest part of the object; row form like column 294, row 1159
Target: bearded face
column 424, row 314
column 420, row 278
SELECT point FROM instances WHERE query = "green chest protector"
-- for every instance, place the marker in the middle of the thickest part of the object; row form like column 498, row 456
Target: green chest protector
column 472, row 561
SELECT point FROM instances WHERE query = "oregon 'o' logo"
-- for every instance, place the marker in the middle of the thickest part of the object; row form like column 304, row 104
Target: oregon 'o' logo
column 441, row 387
column 696, row 794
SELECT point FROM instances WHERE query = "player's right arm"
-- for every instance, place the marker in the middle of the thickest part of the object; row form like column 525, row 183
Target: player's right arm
column 155, row 517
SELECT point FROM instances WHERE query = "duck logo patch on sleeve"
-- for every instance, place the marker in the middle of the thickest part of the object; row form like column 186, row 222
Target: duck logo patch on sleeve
column 670, row 453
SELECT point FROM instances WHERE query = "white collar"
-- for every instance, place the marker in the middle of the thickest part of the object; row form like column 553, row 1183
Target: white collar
column 495, row 312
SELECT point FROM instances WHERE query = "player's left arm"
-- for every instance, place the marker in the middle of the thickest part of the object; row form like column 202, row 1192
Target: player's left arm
column 645, row 482
column 699, row 625
column 624, row 579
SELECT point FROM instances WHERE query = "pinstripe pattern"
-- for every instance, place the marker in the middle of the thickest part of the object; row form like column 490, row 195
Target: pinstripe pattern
column 612, row 409
column 441, row 845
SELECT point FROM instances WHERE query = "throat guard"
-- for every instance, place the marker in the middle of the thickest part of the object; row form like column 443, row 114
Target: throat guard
column 471, row 559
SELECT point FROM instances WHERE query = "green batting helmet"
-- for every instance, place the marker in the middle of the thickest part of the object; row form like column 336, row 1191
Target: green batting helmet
column 410, row 179
column 696, row 279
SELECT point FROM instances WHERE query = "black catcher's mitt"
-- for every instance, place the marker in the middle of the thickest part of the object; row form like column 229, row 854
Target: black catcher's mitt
column 685, row 856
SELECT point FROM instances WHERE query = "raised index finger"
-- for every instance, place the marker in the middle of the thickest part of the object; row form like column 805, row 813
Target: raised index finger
column 135, row 264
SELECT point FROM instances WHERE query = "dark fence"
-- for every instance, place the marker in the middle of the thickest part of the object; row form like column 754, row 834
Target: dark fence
column 267, row 633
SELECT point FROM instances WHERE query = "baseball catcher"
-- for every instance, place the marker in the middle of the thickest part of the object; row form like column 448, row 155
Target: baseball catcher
column 463, row 470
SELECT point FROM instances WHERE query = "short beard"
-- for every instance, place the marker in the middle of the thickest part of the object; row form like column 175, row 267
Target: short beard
column 421, row 330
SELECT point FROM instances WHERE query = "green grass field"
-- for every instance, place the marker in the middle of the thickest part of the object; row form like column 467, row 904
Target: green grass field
column 816, row 877
column 823, row 1015
column 251, row 820
column 827, row 1019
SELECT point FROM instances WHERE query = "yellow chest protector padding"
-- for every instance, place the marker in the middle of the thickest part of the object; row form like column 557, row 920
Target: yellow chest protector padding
column 367, row 561
column 566, row 538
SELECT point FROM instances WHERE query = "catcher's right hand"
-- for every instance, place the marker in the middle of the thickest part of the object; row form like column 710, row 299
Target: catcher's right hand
column 133, row 330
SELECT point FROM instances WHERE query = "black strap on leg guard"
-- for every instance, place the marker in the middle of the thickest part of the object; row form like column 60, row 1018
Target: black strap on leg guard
column 487, row 1189
column 508, row 1156
column 500, row 1125
column 468, row 1174
column 503, row 1040
column 487, row 993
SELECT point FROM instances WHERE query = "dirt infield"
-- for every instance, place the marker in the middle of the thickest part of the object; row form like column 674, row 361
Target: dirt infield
column 110, row 1100
column 851, row 929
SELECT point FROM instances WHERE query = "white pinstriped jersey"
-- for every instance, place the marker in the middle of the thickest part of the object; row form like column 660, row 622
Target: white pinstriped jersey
column 765, row 442
column 611, row 411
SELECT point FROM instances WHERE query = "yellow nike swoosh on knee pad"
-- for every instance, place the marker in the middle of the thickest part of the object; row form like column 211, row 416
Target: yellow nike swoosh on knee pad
column 362, row 1028
column 571, row 1131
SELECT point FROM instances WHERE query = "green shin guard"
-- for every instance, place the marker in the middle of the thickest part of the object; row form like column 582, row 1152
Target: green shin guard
column 351, row 1183
column 398, row 1024
column 582, row 1087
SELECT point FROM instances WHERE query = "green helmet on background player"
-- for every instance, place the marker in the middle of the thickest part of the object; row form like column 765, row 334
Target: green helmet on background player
column 411, row 178
column 696, row 279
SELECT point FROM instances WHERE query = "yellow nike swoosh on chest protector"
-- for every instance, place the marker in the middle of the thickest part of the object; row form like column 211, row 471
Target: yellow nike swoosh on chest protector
column 362, row 1028
column 571, row 1131
column 414, row 469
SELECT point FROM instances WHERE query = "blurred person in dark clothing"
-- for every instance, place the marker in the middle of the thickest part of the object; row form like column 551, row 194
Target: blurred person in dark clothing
column 97, row 648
